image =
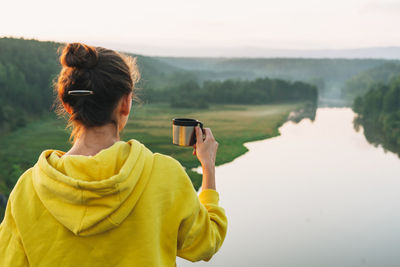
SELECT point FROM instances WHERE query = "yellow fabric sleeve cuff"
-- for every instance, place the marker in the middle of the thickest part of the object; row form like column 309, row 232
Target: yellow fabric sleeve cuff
column 209, row 196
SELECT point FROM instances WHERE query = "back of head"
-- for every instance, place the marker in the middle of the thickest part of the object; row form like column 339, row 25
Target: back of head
column 107, row 74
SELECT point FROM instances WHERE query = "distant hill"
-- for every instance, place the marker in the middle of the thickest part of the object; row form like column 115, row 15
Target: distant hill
column 357, row 53
column 27, row 68
column 257, row 51
column 328, row 74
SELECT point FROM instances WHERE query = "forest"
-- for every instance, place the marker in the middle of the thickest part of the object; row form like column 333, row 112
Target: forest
column 259, row 91
column 26, row 71
column 379, row 114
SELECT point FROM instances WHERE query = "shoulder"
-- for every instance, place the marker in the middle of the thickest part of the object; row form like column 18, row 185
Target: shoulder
column 167, row 170
column 160, row 161
column 23, row 184
column 23, row 193
column 167, row 161
column 171, row 170
column 168, row 164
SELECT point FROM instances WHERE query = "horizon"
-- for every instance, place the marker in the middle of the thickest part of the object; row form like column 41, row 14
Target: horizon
column 378, row 52
column 181, row 28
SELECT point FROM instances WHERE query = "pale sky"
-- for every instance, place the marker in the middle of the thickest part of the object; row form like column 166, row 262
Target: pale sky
column 278, row 24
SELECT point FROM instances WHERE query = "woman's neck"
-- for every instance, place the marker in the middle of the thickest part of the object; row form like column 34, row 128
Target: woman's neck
column 94, row 139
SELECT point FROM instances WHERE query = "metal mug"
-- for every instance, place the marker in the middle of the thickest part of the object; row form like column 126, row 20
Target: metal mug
column 183, row 132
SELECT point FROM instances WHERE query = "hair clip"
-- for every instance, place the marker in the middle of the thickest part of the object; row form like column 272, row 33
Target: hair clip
column 80, row 92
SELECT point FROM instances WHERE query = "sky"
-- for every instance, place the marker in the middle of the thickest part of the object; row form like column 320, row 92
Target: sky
column 176, row 26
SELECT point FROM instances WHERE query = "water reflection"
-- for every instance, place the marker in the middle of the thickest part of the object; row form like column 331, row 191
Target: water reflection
column 318, row 195
column 307, row 112
column 376, row 136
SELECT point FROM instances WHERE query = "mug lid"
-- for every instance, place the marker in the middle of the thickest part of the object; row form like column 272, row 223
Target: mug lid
column 185, row 122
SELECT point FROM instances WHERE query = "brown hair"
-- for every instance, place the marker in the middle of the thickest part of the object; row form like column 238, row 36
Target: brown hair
column 109, row 74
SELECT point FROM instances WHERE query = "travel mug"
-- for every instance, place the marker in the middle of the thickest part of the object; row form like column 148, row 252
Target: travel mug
column 183, row 132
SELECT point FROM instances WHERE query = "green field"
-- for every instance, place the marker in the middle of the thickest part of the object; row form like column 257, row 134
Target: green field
column 232, row 125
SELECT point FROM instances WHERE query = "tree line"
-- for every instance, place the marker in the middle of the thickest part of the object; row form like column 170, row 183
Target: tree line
column 379, row 114
column 361, row 83
column 259, row 91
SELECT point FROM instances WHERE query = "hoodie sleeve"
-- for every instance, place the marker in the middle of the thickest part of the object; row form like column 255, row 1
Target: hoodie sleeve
column 11, row 249
column 202, row 233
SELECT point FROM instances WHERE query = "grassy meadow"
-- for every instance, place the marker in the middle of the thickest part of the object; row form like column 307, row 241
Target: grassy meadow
column 232, row 125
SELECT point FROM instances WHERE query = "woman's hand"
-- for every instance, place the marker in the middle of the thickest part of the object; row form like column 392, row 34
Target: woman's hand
column 206, row 151
column 205, row 148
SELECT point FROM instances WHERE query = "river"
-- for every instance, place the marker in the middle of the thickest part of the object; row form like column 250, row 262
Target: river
column 318, row 195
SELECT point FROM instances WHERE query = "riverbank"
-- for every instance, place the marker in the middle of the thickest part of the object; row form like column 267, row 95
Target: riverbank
column 232, row 126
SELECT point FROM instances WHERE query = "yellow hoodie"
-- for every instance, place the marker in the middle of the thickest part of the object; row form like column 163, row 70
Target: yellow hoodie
column 124, row 206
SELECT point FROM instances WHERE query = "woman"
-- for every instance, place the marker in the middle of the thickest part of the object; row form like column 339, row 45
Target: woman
column 107, row 202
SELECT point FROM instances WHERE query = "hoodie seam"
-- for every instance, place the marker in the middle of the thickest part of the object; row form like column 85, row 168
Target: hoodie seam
column 112, row 222
column 119, row 193
column 84, row 212
column 120, row 203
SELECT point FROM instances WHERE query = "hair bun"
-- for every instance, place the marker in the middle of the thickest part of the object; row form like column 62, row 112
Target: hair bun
column 79, row 55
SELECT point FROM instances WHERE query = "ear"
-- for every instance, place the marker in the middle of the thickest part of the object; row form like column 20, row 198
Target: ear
column 126, row 104
column 67, row 108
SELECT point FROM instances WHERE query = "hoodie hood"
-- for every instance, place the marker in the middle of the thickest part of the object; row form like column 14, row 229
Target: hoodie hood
column 93, row 194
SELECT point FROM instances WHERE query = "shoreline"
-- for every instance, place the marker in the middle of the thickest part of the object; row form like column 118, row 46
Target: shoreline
column 304, row 110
